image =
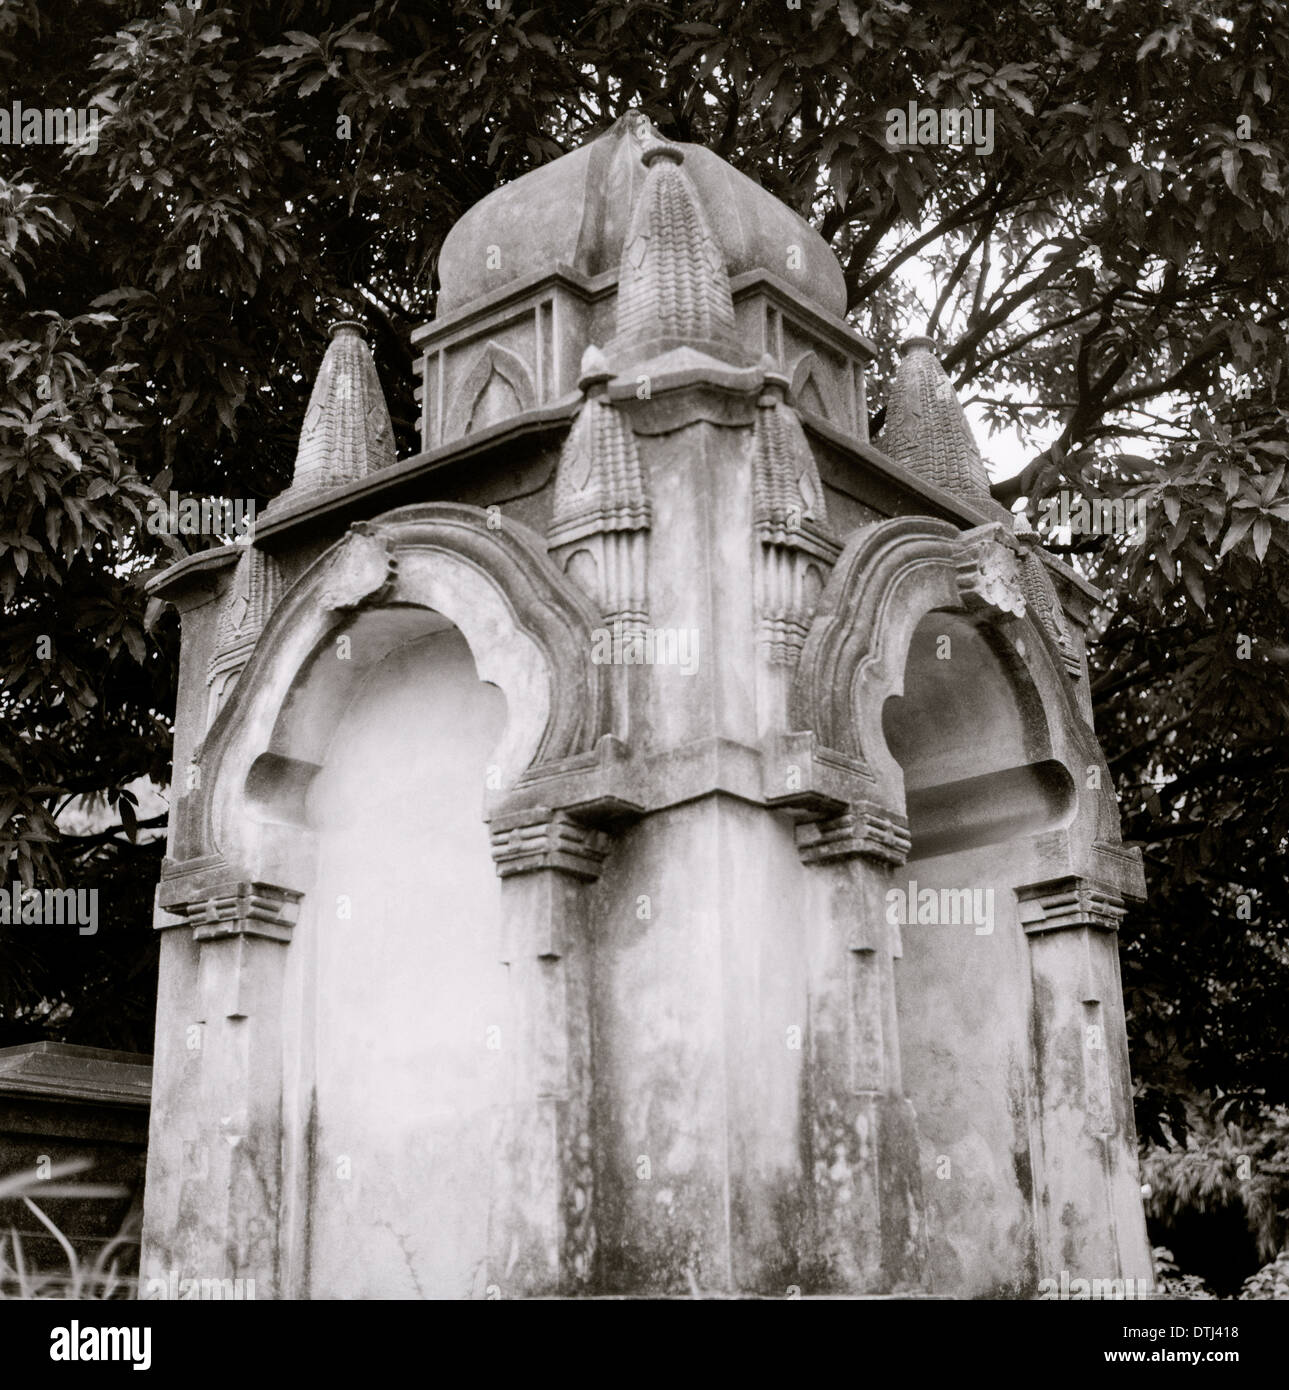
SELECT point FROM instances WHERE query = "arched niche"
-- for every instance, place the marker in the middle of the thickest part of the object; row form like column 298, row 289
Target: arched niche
column 923, row 667
column 406, row 1009
column 972, row 741
column 383, row 586
column 875, row 607
column 971, row 738
column 402, row 685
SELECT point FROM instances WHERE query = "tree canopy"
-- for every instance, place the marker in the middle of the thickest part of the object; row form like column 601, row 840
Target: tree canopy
column 1109, row 281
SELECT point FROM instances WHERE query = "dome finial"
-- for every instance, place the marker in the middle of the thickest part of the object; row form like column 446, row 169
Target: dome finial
column 926, row 429
column 673, row 289
column 347, row 432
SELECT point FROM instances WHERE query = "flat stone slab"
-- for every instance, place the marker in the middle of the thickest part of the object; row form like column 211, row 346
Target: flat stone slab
column 64, row 1071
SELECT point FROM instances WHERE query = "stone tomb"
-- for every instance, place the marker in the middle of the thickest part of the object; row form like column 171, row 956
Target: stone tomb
column 652, row 840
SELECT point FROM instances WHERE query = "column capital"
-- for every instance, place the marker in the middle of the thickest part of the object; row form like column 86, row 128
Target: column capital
column 1062, row 904
column 541, row 838
column 238, row 909
column 864, row 830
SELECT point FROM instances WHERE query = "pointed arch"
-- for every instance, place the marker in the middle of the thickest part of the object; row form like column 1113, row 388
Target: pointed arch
column 494, row 363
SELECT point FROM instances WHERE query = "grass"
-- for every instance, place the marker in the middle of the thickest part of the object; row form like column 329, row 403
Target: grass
column 100, row 1278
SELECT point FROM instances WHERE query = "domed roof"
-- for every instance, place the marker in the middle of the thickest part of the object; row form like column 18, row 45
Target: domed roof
column 575, row 212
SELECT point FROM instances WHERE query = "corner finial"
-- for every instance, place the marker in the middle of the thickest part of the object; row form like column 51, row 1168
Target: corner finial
column 595, row 369
column 926, row 429
column 347, row 432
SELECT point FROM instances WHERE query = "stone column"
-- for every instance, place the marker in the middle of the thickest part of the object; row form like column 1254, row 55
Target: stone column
column 1082, row 1083
column 865, row 1182
column 229, row 1115
column 542, row 1231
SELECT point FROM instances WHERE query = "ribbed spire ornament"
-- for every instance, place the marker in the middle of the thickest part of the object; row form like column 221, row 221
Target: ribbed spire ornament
column 786, row 479
column 791, row 518
column 926, row 429
column 601, row 509
column 246, row 608
column 1041, row 597
column 347, row 432
column 673, row 289
column 599, row 484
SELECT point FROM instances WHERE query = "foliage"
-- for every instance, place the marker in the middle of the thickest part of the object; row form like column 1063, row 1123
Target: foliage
column 1220, row 1166
column 1270, row 1282
column 1170, row 1282
column 1111, row 280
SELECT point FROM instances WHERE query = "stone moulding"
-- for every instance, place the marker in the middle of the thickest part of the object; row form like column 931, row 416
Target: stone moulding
column 890, row 575
column 443, row 557
column 806, row 374
column 493, row 361
column 1068, row 903
column 241, row 909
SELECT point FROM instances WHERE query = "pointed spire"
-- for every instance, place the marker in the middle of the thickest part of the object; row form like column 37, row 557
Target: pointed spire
column 599, row 484
column 246, row 609
column 1041, row 596
column 673, row 290
column 926, row 429
column 347, row 432
column 786, row 483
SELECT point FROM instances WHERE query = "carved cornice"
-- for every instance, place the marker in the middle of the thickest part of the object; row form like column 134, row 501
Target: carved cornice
column 239, row 909
column 1070, row 903
column 863, row 831
column 524, row 842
